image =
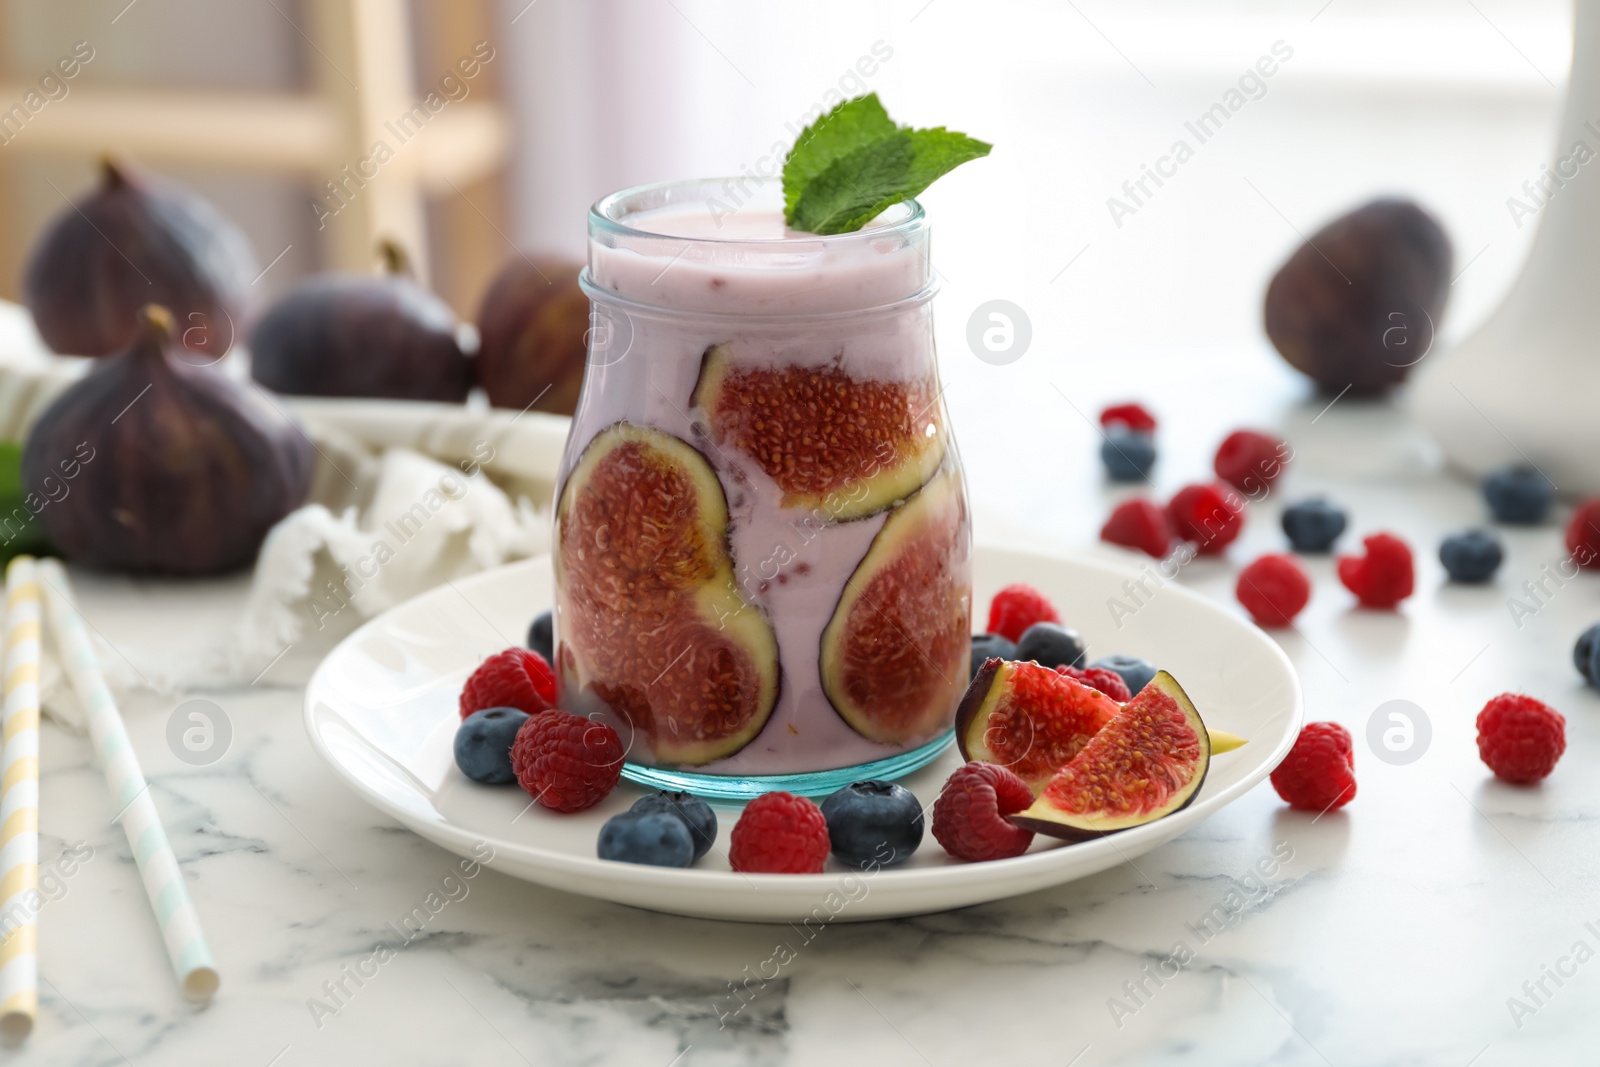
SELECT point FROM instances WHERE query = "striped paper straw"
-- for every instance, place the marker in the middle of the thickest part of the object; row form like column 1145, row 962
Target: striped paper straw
column 163, row 880
column 19, row 805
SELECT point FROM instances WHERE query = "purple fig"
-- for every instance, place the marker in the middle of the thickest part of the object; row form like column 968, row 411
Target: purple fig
column 1358, row 304
column 152, row 464
column 532, row 329
column 339, row 334
column 137, row 240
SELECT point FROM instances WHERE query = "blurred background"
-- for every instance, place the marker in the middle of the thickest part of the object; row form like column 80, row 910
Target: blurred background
column 260, row 104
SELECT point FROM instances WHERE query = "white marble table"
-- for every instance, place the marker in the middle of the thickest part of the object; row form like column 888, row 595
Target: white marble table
column 1392, row 932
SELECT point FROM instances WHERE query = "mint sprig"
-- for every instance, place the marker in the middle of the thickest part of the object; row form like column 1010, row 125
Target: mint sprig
column 853, row 163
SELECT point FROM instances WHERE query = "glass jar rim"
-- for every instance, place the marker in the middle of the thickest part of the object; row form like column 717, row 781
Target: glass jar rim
column 610, row 212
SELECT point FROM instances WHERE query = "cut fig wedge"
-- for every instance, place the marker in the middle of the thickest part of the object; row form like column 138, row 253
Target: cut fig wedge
column 896, row 652
column 839, row 446
column 1143, row 765
column 650, row 619
column 1029, row 719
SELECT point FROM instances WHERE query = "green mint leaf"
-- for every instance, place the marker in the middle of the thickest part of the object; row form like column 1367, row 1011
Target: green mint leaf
column 855, row 188
column 940, row 151
column 854, row 163
column 859, row 186
column 846, row 128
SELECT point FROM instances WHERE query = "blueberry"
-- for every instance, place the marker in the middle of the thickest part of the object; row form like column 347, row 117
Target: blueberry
column 1518, row 495
column 654, row 838
column 1127, row 454
column 873, row 823
column 1051, row 645
column 1313, row 525
column 483, row 744
column 1471, row 557
column 990, row 646
column 1586, row 655
column 695, row 813
column 1136, row 673
column 541, row 636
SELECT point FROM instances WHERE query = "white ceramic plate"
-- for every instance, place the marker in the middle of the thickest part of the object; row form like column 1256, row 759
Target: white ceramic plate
column 381, row 709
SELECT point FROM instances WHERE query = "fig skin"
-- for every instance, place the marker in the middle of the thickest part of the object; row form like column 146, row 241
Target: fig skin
column 1358, row 304
column 532, row 327
column 138, row 239
column 351, row 335
column 182, row 469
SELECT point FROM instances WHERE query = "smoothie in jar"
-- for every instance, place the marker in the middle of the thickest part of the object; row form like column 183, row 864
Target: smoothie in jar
column 762, row 535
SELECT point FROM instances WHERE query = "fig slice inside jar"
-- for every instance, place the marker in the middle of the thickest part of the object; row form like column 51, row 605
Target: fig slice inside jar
column 650, row 620
column 895, row 654
column 836, row 444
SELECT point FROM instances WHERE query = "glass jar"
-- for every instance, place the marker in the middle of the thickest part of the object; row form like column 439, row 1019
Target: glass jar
column 762, row 536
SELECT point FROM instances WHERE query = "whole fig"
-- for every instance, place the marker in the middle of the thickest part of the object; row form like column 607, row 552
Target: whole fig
column 153, row 465
column 138, row 240
column 532, row 330
column 1358, row 303
column 340, row 334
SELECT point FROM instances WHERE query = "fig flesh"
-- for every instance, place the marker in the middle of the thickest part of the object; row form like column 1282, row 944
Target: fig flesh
column 839, row 446
column 533, row 332
column 175, row 468
column 1029, row 719
column 895, row 653
column 1358, row 304
column 137, row 240
column 1143, row 765
column 340, row 334
column 649, row 621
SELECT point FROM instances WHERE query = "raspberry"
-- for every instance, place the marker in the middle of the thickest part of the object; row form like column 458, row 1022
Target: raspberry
column 969, row 816
column 1273, row 589
column 1583, row 534
column 1520, row 738
column 1384, row 576
column 1140, row 524
column 1017, row 607
column 1210, row 516
column 566, row 762
column 779, row 833
column 1251, row 461
column 1318, row 774
column 1135, row 417
column 1104, row 679
column 515, row 678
